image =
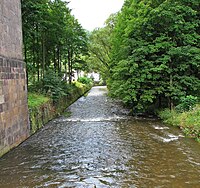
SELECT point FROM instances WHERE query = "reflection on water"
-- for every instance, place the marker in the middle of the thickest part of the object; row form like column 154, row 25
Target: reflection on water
column 92, row 149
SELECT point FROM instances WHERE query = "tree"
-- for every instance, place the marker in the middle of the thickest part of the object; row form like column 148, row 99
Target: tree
column 155, row 54
column 100, row 47
column 34, row 16
column 53, row 38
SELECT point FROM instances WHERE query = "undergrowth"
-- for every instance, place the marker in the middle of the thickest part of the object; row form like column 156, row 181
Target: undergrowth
column 188, row 121
column 35, row 100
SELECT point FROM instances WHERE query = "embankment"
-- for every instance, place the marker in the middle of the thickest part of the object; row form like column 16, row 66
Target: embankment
column 188, row 121
column 40, row 115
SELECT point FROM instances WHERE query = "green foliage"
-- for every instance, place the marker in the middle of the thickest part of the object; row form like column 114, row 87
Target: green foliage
column 85, row 80
column 170, row 117
column 66, row 114
column 52, row 38
column 187, row 103
column 100, row 48
column 35, row 100
column 188, row 121
column 155, row 53
column 54, row 86
column 51, row 85
column 78, row 84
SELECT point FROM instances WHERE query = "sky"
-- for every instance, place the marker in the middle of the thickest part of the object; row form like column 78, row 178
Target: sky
column 93, row 13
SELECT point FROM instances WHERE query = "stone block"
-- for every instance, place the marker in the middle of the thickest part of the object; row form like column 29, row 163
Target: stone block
column 2, row 99
column 10, row 29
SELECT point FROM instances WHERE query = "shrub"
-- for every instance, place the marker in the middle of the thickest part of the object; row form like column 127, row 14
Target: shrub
column 54, row 86
column 170, row 117
column 51, row 85
column 186, row 103
column 188, row 121
column 85, row 80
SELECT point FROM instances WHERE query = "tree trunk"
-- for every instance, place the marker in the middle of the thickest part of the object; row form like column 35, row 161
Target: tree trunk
column 71, row 71
column 38, row 55
column 65, row 69
column 171, row 104
column 54, row 60
column 43, row 55
column 69, row 67
column 58, row 59
column 25, row 58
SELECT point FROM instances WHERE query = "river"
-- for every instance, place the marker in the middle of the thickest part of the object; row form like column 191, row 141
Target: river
column 95, row 144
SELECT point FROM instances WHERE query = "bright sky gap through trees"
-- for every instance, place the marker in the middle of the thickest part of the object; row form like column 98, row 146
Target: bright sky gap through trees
column 93, row 13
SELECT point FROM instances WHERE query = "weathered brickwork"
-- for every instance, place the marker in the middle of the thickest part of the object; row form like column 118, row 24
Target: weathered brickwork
column 10, row 29
column 14, row 124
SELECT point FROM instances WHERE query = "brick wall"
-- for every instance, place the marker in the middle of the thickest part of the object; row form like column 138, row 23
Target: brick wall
column 14, row 124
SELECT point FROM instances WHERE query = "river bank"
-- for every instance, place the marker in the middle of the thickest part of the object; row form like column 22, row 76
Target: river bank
column 188, row 122
column 41, row 114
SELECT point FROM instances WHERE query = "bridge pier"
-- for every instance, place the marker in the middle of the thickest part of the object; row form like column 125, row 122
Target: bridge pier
column 14, row 123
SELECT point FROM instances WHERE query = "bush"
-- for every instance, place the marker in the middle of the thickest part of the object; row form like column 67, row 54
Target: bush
column 78, row 84
column 85, row 80
column 188, row 121
column 170, row 117
column 51, row 85
column 54, row 86
column 186, row 103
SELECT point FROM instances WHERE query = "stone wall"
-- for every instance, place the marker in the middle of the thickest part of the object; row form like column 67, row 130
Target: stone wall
column 14, row 124
column 40, row 115
column 10, row 29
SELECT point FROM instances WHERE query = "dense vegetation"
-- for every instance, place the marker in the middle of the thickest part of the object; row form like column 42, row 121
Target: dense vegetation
column 188, row 121
column 186, row 115
column 149, row 53
column 156, row 52
column 54, row 46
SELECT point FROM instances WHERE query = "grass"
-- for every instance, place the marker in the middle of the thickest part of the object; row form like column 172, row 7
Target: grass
column 35, row 100
column 188, row 121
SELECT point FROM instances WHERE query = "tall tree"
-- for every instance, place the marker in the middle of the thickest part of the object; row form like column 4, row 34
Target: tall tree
column 100, row 47
column 155, row 56
column 52, row 36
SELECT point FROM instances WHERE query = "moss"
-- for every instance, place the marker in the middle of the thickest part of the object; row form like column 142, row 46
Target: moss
column 4, row 150
column 35, row 100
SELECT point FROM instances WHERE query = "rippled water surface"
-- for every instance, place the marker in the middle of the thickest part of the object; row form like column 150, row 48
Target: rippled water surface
column 99, row 145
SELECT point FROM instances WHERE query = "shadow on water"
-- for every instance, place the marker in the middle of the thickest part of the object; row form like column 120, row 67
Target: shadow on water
column 100, row 146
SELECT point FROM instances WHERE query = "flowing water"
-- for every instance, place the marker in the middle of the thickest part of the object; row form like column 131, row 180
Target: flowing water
column 99, row 146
